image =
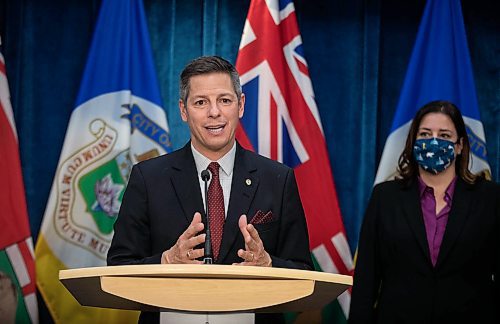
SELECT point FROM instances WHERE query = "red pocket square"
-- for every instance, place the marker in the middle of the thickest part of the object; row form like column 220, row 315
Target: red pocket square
column 262, row 218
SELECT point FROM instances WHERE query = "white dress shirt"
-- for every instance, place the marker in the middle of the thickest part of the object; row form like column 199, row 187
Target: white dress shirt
column 226, row 165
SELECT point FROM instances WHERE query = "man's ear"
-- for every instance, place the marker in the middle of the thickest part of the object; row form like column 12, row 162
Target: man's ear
column 241, row 108
column 183, row 110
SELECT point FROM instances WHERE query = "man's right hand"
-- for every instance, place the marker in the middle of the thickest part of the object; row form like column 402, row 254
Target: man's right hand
column 184, row 250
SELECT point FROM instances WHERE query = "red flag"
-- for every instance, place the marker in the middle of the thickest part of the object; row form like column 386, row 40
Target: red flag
column 282, row 122
column 16, row 245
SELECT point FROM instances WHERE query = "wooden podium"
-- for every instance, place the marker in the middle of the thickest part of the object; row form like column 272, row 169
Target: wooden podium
column 203, row 288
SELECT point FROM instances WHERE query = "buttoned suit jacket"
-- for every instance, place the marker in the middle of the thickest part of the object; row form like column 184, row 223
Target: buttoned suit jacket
column 164, row 193
column 395, row 281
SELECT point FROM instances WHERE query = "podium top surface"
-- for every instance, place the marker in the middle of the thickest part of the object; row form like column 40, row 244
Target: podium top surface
column 203, row 288
column 204, row 271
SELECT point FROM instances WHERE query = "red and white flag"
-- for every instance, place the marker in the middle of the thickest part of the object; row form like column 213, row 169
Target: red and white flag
column 282, row 122
column 17, row 268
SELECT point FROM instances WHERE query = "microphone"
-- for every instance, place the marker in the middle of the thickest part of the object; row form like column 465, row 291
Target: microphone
column 208, row 257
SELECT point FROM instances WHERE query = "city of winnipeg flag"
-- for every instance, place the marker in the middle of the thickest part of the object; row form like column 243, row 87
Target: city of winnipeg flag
column 17, row 268
column 117, row 121
column 282, row 122
column 440, row 69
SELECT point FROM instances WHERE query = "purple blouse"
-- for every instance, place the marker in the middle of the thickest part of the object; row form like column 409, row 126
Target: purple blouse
column 435, row 225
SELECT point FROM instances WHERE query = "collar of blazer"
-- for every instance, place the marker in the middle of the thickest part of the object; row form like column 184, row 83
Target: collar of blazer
column 461, row 209
column 186, row 185
column 185, row 182
column 242, row 195
column 459, row 212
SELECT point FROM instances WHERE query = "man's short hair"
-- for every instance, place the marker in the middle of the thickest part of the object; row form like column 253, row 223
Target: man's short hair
column 206, row 65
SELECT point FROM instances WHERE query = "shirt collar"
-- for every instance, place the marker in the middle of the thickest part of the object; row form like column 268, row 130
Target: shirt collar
column 422, row 186
column 226, row 162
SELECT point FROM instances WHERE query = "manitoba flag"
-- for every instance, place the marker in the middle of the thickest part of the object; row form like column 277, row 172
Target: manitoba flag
column 282, row 122
column 17, row 269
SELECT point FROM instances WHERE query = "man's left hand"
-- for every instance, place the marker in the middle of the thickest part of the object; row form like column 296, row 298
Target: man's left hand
column 254, row 253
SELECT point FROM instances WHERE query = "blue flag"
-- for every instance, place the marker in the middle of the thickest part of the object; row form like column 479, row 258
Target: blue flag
column 117, row 121
column 439, row 69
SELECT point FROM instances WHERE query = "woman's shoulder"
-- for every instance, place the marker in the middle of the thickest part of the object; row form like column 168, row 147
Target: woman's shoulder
column 392, row 185
column 485, row 186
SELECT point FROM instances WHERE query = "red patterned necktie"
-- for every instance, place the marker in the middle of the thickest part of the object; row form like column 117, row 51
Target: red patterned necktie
column 216, row 208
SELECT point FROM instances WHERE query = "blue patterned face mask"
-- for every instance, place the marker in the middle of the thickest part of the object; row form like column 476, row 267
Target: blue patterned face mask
column 434, row 155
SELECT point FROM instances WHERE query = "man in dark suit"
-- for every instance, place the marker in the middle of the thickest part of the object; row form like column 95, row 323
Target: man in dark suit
column 160, row 219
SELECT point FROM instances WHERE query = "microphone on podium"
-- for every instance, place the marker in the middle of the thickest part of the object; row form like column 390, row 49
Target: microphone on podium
column 208, row 257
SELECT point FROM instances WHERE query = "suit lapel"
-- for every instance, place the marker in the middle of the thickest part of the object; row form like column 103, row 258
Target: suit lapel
column 242, row 193
column 458, row 215
column 186, row 184
column 413, row 213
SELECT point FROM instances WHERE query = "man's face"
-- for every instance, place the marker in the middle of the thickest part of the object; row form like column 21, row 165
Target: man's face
column 212, row 113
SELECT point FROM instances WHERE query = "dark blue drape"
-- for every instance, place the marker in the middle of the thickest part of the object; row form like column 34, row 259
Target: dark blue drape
column 357, row 53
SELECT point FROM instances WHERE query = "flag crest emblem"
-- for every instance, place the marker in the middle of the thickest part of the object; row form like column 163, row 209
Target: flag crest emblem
column 117, row 121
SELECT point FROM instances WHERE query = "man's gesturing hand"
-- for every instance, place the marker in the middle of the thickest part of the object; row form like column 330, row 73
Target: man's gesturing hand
column 183, row 251
column 254, row 253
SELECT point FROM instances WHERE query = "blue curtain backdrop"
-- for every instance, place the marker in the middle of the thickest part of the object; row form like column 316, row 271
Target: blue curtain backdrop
column 358, row 52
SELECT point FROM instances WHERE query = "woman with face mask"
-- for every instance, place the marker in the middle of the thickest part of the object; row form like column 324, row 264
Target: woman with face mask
column 429, row 249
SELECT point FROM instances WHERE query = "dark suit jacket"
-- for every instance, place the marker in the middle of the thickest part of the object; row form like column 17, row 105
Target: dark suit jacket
column 395, row 281
column 164, row 193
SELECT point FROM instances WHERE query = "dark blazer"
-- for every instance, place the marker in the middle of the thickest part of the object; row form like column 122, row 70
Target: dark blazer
column 395, row 281
column 164, row 193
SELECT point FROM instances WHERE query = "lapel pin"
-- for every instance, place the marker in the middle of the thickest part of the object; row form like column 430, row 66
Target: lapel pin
column 248, row 182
